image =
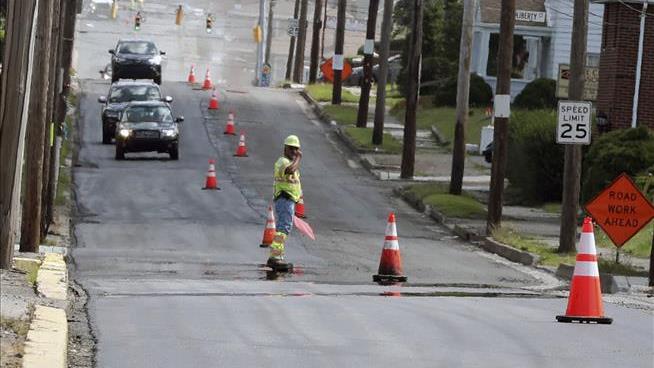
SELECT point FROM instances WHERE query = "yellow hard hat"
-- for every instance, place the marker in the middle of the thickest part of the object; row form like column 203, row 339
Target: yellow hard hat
column 292, row 140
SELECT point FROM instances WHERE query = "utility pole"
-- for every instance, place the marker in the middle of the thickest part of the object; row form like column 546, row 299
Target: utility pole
column 291, row 47
column 462, row 97
column 409, row 147
column 37, row 126
column 315, row 42
column 324, row 26
column 572, row 164
column 269, row 31
column 16, row 78
column 260, row 45
column 380, row 107
column 51, row 152
column 337, row 61
column 298, row 73
column 502, row 99
column 368, row 50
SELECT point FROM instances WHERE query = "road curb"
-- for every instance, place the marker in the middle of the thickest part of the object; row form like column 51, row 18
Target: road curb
column 52, row 277
column 469, row 235
column 47, row 339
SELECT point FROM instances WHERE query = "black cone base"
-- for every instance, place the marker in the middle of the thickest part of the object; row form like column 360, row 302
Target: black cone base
column 598, row 320
column 388, row 278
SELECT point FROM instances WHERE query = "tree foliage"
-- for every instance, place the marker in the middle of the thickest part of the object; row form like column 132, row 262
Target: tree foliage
column 440, row 39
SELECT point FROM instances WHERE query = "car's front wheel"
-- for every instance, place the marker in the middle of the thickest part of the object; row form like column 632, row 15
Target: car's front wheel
column 120, row 151
column 174, row 152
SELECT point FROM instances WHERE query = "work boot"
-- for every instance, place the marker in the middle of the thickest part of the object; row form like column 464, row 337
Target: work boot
column 278, row 264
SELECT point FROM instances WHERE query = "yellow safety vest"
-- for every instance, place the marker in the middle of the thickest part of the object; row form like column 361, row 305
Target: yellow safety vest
column 287, row 183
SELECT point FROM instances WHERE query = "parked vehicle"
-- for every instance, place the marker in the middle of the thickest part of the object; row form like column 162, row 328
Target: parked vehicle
column 488, row 153
column 136, row 59
column 119, row 96
column 394, row 67
column 146, row 127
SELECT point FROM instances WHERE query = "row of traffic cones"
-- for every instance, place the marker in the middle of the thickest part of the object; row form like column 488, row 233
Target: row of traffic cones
column 206, row 85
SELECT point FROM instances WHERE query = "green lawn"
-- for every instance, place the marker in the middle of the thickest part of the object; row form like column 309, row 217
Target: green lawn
column 437, row 196
column 638, row 246
column 549, row 256
column 323, row 93
column 444, row 118
column 362, row 138
column 343, row 115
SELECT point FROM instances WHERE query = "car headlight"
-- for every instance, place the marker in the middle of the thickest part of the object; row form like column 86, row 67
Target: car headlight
column 169, row 132
column 124, row 133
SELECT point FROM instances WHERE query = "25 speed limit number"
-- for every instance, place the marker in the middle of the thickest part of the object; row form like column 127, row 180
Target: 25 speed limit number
column 574, row 122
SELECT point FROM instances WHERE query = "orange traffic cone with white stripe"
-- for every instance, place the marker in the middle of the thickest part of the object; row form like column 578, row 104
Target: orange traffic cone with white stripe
column 241, row 150
column 207, row 81
column 229, row 128
column 213, row 102
column 211, row 183
column 191, row 75
column 299, row 208
column 269, row 230
column 585, row 300
column 390, row 264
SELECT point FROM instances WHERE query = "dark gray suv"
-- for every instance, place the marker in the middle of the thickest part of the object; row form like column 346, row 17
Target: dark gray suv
column 136, row 59
column 119, row 96
column 148, row 127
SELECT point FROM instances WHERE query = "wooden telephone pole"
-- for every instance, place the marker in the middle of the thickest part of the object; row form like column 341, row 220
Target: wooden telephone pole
column 413, row 87
column 368, row 51
column 500, row 134
column 380, row 104
column 572, row 164
column 315, row 42
column 337, row 60
column 462, row 98
column 298, row 72
column 15, row 78
column 291, row 47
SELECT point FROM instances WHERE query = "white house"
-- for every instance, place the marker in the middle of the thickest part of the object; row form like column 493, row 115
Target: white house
column 542, row 38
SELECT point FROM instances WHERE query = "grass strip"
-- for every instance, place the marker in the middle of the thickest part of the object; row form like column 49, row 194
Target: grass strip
column 362, row 138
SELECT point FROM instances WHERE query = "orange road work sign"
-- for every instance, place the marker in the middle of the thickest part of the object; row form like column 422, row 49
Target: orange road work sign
column 621, row 210
column 327, row 69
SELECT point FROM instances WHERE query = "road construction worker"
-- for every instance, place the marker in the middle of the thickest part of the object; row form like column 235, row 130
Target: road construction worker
column 287, row 192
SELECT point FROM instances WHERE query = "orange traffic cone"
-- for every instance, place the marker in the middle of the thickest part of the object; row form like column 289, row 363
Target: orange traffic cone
column 585, row 300
column 229, row 128
column 390, row 264
column 207, row 81
column 242, row 150
column 213, row 102
column 211, row 182
column 269, row 230
column 191, row 75
column 299, row 208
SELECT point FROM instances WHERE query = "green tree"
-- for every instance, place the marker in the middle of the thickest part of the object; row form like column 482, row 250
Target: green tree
column 440, row 44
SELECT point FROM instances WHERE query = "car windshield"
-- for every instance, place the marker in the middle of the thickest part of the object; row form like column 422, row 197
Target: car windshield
column 143, row 48
column 134, row 93
column 157, row 114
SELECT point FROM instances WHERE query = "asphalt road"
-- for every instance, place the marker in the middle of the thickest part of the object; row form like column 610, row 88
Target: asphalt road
column 175, row 277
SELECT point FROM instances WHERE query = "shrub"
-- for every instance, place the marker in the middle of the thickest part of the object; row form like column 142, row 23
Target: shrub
column 539, row 94
column 625, row 150
column 481, row 93
column 535, row 163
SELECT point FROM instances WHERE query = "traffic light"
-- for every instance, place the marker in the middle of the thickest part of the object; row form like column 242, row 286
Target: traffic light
column 257, row 34
column 137, row 21
column 209, row 23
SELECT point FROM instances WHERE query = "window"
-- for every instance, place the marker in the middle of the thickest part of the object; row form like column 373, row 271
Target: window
column 520, row 58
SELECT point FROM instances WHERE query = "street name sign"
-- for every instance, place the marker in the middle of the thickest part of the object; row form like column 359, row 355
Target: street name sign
column 621, row 210
column 574, row 122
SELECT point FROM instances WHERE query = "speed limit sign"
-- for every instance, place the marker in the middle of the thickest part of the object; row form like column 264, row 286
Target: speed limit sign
column 574, row 122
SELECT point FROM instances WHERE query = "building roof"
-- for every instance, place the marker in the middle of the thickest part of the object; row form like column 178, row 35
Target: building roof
column 490, row 11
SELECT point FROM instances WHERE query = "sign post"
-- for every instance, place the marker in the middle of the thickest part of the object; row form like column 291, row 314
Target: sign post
column 574, row 122
column 621, row 210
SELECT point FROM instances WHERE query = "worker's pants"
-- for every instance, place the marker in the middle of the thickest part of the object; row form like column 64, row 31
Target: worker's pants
column 284, row 210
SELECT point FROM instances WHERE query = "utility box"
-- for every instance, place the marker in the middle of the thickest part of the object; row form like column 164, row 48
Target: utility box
column 486, row 137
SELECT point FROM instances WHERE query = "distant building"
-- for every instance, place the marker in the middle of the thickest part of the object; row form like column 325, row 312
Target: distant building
column 542, row 39
column 619, row 64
